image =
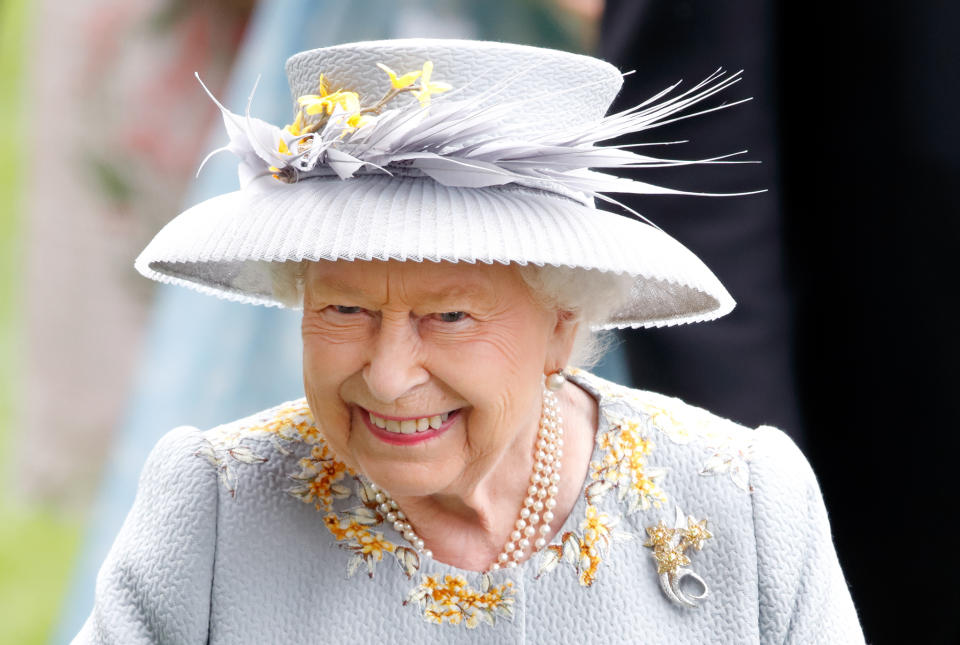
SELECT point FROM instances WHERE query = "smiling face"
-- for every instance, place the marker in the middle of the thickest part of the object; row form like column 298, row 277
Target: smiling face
column 426, row 377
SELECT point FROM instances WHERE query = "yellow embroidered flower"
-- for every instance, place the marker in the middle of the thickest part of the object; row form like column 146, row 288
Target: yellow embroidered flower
column 430, row 584
column 318, row 453
column 428, row 88
column 321, row 483
column 597, row 531
column 343, row 532
column 308, row 432
column 597, row 527
column 404, row 81
column 332, row 522
column 624, row 466
column 373, row 544
column 646, row 489
column 662, row 418
column 454, row 615
column 589, row 563
column 283, row 418
column 451, row 600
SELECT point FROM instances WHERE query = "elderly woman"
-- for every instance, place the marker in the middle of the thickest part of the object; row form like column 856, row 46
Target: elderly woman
column 448, row 476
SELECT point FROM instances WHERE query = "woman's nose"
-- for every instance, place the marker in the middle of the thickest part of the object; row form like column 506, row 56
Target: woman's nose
column 395, row 366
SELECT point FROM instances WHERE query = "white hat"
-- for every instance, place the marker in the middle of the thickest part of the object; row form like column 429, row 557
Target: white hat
column 481, row 153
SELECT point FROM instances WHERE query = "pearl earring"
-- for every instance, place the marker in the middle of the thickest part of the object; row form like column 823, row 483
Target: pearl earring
column 555, row 381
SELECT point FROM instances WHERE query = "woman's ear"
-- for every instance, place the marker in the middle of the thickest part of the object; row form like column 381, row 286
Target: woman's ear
column 560, row 344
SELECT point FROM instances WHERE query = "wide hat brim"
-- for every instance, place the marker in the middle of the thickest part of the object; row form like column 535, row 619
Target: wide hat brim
column 223, row 246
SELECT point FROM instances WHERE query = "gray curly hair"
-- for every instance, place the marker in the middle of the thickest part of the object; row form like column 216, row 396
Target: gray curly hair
column 588, row 295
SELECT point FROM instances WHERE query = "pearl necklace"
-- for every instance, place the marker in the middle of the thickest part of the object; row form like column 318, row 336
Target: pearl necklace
column 537, row 510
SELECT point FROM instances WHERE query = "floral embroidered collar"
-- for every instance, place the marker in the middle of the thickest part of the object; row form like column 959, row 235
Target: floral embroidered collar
column 623, row 479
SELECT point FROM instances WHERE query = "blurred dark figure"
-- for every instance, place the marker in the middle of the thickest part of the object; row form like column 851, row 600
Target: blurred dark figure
column 855, row 116
column 740, row 366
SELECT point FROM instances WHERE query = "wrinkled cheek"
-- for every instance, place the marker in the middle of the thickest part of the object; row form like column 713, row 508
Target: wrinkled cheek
column 331, row 415
column 486, row 427
column 335, row 424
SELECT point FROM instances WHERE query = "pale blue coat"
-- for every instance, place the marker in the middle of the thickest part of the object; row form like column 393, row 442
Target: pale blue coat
column 253, row 533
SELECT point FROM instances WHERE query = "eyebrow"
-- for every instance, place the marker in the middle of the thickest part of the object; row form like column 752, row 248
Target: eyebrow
column 335, row 284
column 426, row 295
column 457, row 291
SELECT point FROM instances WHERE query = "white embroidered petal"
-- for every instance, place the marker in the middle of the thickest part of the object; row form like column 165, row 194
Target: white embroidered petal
column 485, row 615
column 584, row 563
column 228, row 480
column 371, row 563
column 485, row 583
column 571, row 548
column 549, row 560
column 740, row 474
column 596, row 490
column 418, row 595
column 621, row 536
column 408, row 559
column 715, row 463
column 361, row 515
column 206, row 451
column 245, row 455
column 353, row 564
column 366, row 493
column 279, row 447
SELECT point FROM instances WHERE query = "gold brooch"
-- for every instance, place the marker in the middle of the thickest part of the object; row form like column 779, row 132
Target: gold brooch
column 669, row 546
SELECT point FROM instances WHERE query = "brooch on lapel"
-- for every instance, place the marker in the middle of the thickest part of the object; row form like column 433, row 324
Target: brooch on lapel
column 669, row 550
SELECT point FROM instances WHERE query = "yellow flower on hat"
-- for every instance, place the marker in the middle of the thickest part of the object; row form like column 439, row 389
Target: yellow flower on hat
column 294, row 129
column 427, row 88
column 356, row 120
column 326, row 101
column 404, row 81
column 314, row 104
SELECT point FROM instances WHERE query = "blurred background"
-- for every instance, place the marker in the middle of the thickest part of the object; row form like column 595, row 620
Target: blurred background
column 842, row 336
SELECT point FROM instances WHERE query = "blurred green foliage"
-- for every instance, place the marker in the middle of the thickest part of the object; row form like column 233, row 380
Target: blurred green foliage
column 37, row 546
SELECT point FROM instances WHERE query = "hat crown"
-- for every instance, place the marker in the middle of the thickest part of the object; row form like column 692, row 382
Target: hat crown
column 558, row 88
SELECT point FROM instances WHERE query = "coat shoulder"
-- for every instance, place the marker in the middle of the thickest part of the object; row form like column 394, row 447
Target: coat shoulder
column 284, row 435
column 765, row 510
column 694, row 440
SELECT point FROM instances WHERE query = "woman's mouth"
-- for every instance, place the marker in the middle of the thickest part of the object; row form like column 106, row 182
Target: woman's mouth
column 407, row 430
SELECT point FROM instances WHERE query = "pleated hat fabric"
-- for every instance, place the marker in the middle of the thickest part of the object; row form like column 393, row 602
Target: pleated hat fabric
column 224, row 246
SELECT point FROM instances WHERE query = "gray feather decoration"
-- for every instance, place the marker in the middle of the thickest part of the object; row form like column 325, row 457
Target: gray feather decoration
column 462, row 143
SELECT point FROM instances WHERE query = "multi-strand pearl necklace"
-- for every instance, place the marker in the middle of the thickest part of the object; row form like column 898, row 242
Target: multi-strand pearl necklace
column 536, row 514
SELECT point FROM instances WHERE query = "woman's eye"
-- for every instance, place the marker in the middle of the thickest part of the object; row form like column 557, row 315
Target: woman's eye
column 452, row 316
column 343, row 309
